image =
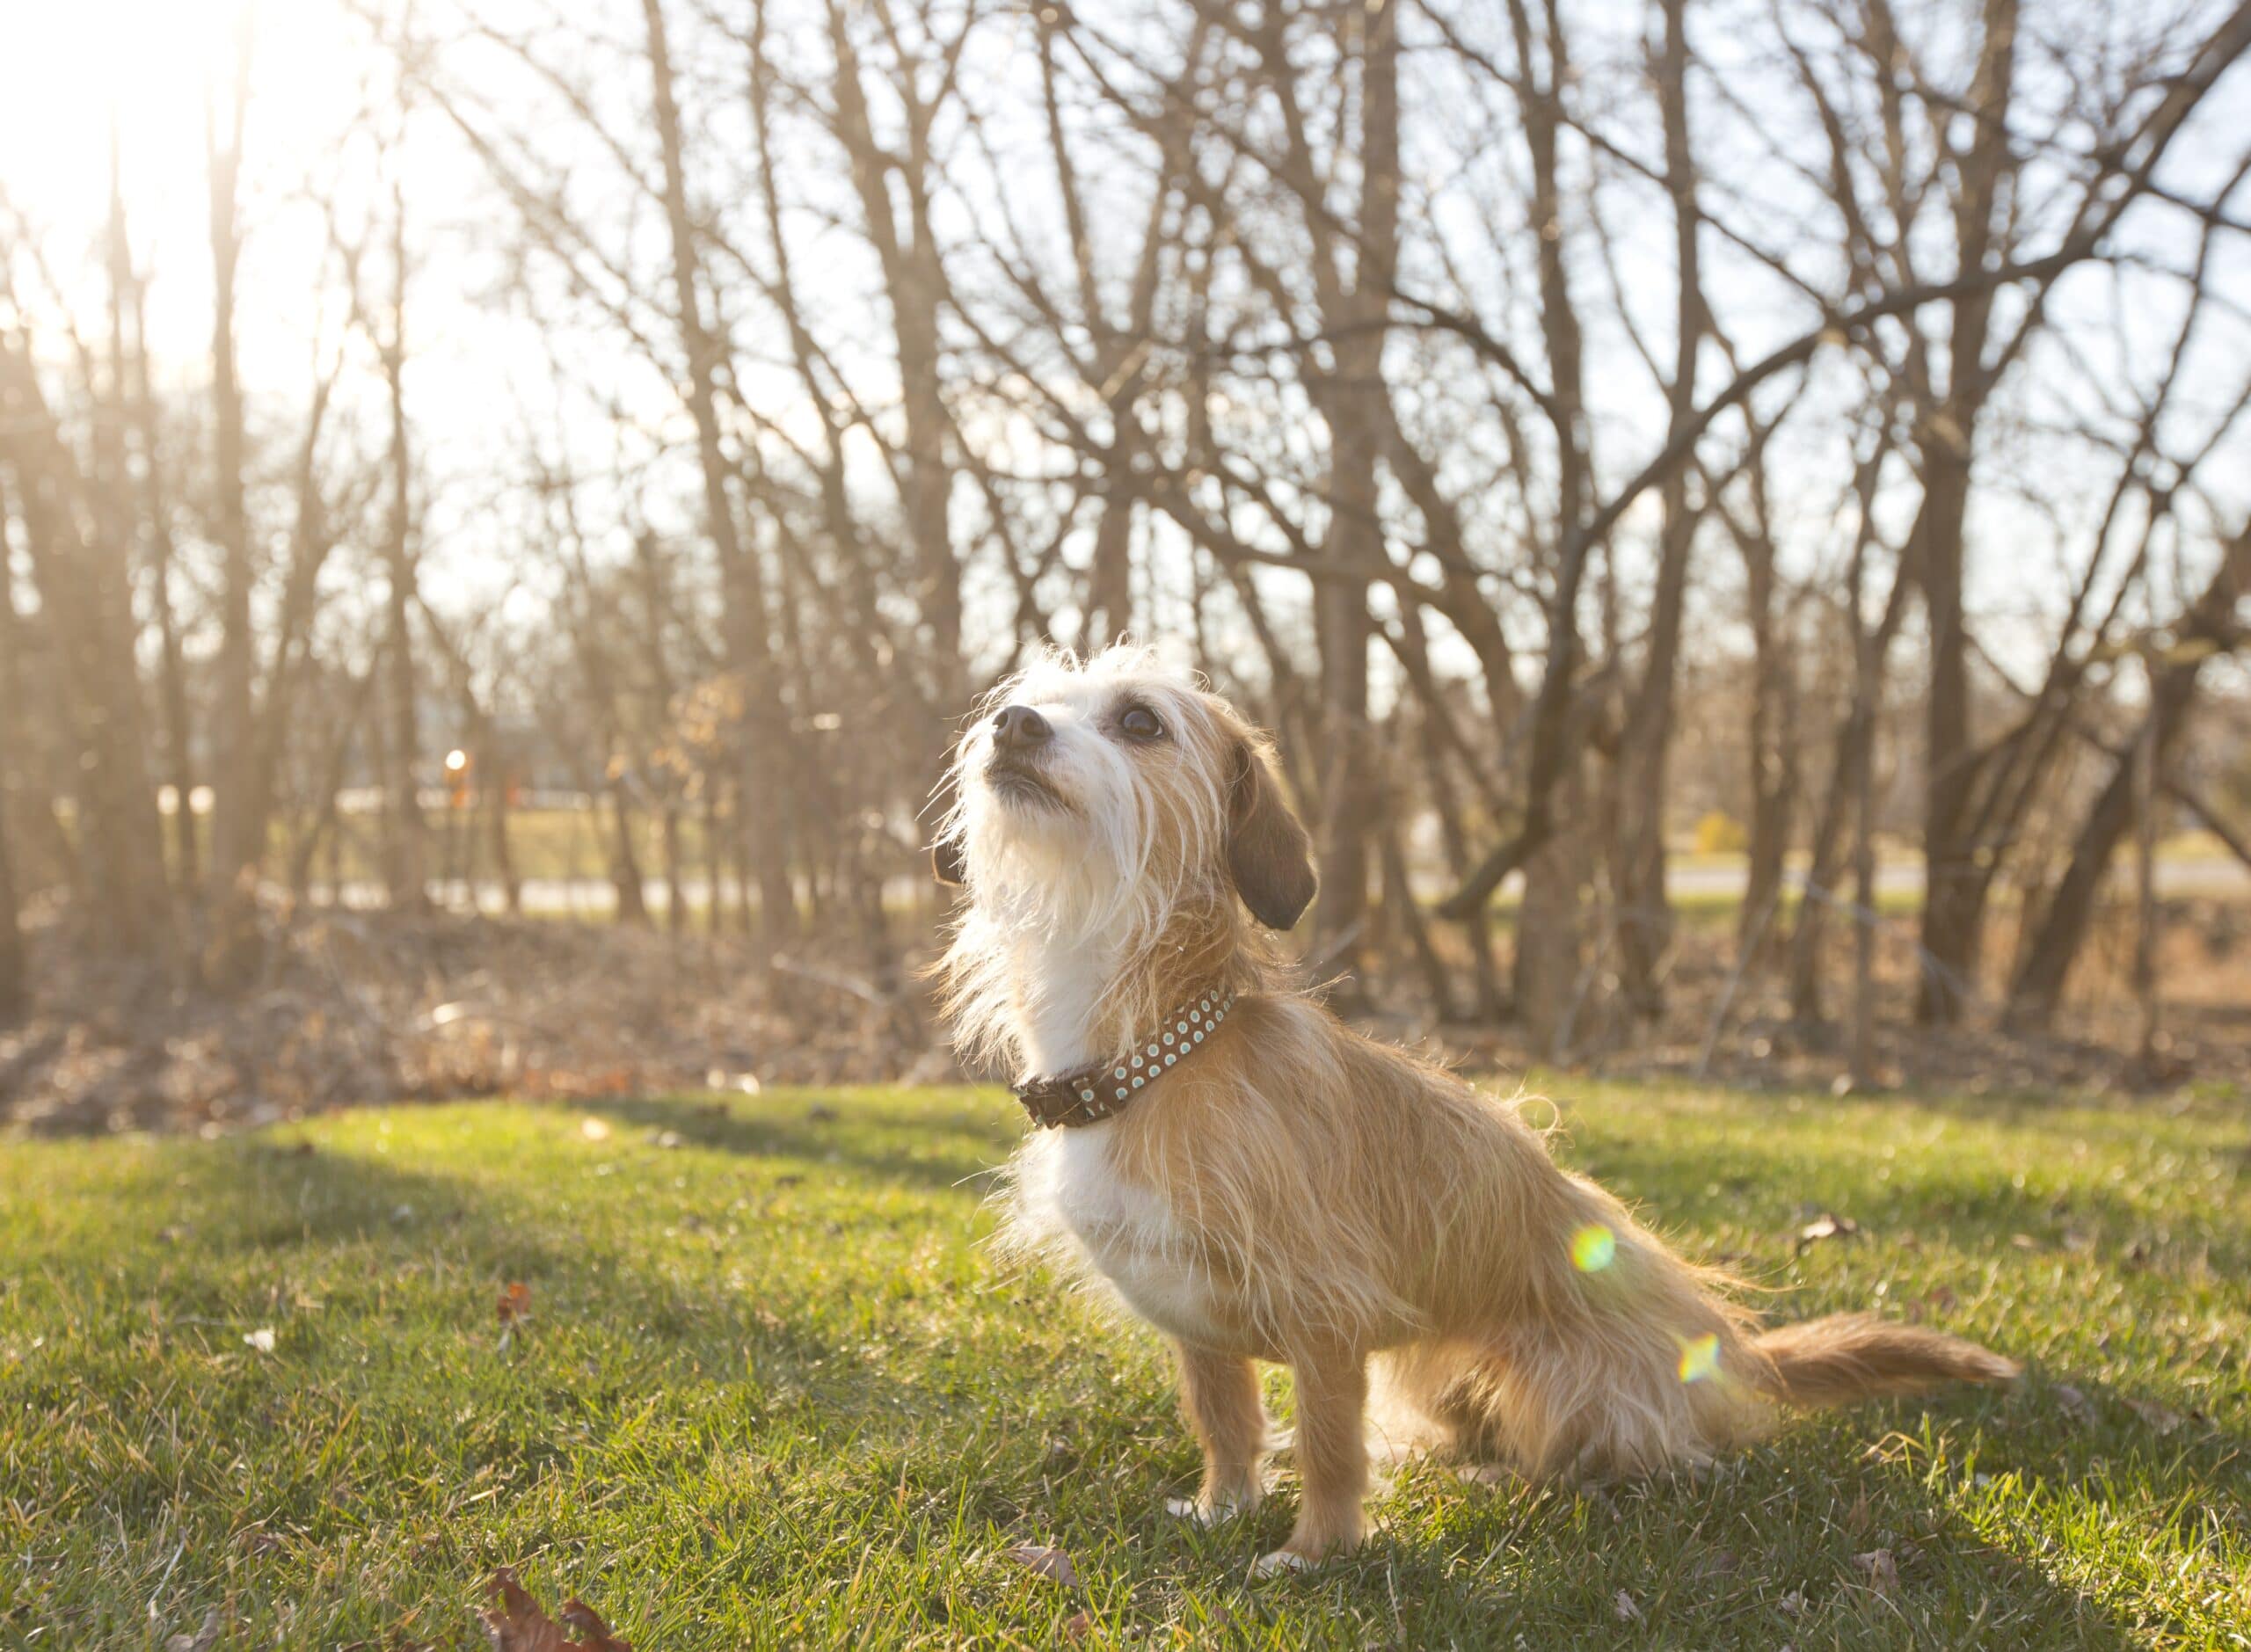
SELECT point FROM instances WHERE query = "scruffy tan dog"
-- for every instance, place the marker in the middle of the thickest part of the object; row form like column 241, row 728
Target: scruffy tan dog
column 1262, row 1184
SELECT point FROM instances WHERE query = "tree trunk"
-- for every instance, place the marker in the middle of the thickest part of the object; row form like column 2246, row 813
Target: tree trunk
column 1550, row 941
column 766, row 759
column 15, row 980
column 1644, row 912
column 1557, row 718
column 2051, row 946
column 1949, row 932
column 85, row 603
column 1399, row 897
column 2147, row 998
column 130, row 356
column 1953, row 904
column 406, row 872
column 1350, row 406
column 1773, row 750
column 624, row 861
column 236, row 848
column 497, row 804
column 1855, row 749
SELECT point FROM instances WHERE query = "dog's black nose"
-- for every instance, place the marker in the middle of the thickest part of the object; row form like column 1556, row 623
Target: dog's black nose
column 1018, row 728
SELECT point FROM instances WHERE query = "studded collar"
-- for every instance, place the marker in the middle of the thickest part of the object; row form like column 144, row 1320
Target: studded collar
column 1069, row 1100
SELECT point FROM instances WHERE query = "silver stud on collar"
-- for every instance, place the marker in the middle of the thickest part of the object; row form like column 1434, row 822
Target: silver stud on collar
column 1178, row 1035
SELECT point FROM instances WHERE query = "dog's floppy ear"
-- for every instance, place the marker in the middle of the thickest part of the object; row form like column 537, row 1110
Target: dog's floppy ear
column 1268, row 851
column 947, row 864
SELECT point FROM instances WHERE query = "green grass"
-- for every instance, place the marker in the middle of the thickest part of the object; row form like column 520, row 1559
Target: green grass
column 773, row 1394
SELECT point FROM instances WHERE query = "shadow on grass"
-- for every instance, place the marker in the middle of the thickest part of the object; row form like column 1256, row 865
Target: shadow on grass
column 1771, row 1549
column 2095, row 1227
column 262, row 1195
column 258, row 1195
column 1704, row 1564
column 960, row 1154
column 1750, row 1178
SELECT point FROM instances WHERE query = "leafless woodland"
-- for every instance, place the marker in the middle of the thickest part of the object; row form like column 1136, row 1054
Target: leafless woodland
column 1576, row 427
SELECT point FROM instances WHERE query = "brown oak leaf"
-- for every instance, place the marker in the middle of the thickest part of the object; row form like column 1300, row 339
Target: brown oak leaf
column 1880, row 1569
column 1051, row 1563
column 2163, row 1418
column 2075, row 1405
column 515, row 1622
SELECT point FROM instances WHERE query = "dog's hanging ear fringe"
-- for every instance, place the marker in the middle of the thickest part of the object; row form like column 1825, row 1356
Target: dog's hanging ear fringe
column 1268, row 852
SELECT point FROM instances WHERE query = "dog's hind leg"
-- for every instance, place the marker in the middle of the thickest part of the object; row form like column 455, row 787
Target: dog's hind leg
column 1332, row 1455
column 1219, row 1394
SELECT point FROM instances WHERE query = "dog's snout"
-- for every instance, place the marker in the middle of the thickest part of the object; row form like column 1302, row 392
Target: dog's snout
column 1018, row 728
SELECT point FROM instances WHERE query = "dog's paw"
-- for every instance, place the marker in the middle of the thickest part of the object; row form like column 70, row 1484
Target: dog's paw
column 1279, row 1562
column 1216, row 1511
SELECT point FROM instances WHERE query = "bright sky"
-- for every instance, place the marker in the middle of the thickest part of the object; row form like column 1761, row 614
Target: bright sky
column 73, row 67
column 150, row 65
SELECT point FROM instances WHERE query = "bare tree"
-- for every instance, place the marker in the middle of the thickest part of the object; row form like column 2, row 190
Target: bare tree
column 236, row 850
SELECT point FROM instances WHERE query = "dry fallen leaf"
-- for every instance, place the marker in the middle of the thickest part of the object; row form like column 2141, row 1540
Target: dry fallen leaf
column 1939, row 1301
column 1880, row 1568
column 1828, row 1225
column 513, row 1310
column 2076, row 1406
column 1624, row 1609
column 1051, row 1563
column 2163, row 1418
column 202, row 1640
column 579, row 1083
column 1077, row 1627
column 515, row 1622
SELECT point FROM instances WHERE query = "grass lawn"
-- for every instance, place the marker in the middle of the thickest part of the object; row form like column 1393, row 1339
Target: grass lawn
column 772, row 1394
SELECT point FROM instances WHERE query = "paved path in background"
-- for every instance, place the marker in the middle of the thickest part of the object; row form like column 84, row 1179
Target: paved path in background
column 1693, row 880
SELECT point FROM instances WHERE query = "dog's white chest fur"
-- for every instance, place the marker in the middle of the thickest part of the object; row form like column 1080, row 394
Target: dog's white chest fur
column 1128, row 1232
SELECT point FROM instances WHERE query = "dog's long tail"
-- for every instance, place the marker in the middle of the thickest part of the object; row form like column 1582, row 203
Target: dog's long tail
column 1851, row 1356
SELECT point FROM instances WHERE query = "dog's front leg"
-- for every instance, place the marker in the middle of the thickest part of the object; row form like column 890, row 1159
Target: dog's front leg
column 1332, row 1455
column 1218, row 1393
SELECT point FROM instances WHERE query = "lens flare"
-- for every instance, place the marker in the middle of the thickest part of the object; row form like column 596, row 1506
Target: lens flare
column 1593, row 1248
column 1700, row 1358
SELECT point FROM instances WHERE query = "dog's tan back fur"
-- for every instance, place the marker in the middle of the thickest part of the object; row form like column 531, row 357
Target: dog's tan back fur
column 1299, row 1193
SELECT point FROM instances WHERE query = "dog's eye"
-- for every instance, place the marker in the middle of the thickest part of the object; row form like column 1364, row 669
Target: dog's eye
column 1141, row 723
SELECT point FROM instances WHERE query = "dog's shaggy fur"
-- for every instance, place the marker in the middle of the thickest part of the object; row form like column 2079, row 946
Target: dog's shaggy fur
column 1296, row 1192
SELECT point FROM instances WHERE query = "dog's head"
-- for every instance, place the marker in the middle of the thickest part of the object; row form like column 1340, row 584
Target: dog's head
column 1091, row 793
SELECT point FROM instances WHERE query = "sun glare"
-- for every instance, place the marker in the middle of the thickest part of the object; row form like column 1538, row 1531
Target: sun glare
column 142, row 69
